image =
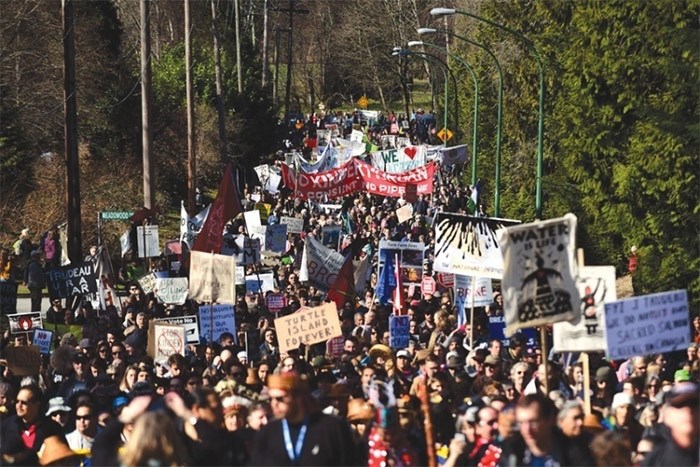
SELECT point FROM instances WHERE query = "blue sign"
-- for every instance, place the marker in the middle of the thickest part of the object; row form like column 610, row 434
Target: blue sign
column 497, row 326
column 398, row 331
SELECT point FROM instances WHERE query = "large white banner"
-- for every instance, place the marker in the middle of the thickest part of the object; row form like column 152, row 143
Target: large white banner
column 212, row 278
column 650, row 324
column 539, row 280
column 322, row 264
column 400, row 160
column 596, row 287
column 468, row 245
column 190, row 226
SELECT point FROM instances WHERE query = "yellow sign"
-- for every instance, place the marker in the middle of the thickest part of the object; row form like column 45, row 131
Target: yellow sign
column 445, row 134
column 362, row 102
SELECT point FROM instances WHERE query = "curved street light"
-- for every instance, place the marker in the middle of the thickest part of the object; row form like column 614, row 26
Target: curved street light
column 440, row 11
column 499, row 117
column 445, row 70
column 476, row 98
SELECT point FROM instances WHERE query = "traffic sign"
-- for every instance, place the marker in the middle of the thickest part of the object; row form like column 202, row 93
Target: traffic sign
column 362, row 102
column 445, row 134
column 116, row 215
column 428, row 285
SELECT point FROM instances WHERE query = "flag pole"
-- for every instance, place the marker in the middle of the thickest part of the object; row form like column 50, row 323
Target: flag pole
column 471, row 316
column 584, row 355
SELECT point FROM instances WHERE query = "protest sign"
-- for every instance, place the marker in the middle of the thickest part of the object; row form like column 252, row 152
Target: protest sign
column 540, row 269
column 190, row 226
column 357, row 175
column 148, row 282
column 252, row 219
column 454, row 155
column 251, row 251
column 596, row 286
column 68, row 281
column 398, row 331
column 24, row 322
column 262, row 282
column 307, row 326
column 399, row 160
column 649, row 324
column 240, row 275
column 497, row 328
column 331, row 236
column 259, row 232
column 212, row 278
column 335, row 346
column 294, row 225
column 482, row 293
column 276, row 238
column 321, row 265
column 8, row 297
column 411, row 255
column 165, row 340
column 24, row 360
column 42, row 339
column 275, row 302
column 190, row 323
column 216, row 320
column 265, row 209
column 172, row 290
column 404, row 213
column 147, row 241
column 468, row 245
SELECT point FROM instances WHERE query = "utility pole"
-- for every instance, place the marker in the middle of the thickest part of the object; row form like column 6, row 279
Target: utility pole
column 191, row 155
column 239, row 70
column 75, row 251
column 264, row 44
column 290, row 41
column 149, row 195
column 219, row 87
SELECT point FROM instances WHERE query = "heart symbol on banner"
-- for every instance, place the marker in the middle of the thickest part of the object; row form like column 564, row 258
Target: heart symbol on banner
column 410, row 152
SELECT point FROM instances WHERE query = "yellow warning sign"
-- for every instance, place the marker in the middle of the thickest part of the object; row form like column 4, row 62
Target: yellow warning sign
column 362, row 102
column 445, row 134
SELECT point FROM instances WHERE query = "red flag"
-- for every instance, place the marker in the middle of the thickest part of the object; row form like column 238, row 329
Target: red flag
column 343, row 289
column 398, row 298
column 225, row 207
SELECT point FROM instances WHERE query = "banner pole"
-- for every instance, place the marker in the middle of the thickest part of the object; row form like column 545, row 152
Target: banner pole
column 471, row 317
column 584, row 355
column 545, row 360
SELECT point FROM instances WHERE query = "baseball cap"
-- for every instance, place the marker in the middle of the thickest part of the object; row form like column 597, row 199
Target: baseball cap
column 621, row 399
column 684, row 394
column 403, row 354
column 681, row 376
column 603, row 373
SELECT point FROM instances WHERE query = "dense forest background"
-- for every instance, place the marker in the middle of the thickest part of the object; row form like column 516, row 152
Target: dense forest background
column 621, row 110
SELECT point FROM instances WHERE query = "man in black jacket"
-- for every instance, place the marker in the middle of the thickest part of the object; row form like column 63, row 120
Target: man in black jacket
column 23, row 434
column 679, row 431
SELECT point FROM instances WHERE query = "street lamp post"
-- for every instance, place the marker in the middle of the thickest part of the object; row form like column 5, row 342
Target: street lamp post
column 445, row 70
column 540, row 119
column 499, row 117
column 476, row 99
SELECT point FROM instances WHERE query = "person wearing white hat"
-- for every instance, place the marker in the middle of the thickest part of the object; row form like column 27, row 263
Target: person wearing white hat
column 58, row 411
column 622, row 418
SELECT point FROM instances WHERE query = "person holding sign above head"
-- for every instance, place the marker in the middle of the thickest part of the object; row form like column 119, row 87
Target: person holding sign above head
column 301, row 435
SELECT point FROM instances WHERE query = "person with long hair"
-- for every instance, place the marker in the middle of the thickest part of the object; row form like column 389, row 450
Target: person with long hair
column 129, row 378
column 154, row 441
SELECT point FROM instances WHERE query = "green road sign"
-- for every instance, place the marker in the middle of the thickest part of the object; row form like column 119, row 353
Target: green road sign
column 116, row 215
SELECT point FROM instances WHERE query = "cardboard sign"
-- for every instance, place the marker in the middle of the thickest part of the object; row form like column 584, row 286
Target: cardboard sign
column 148, row 241
column 256, row 283
column 42, row 339
column 252, row 219
column 596, row 286
column 398, row 331
column 24, row 322
column 650, row 324
column 275, row 302
column 148, row 282
column 172, row 290
column 404, row 213
column 212, row 278
column 190, row 323
column 294, row 225
column 308, row 326
column 165, row 340
column 276, row 238
column 8, row 297
column 24, row 360
column 216, row 320
column 539, row 284
column 69, row 281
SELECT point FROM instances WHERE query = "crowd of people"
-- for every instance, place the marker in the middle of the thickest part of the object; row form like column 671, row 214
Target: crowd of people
column 100, row 399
